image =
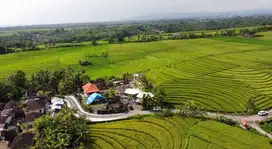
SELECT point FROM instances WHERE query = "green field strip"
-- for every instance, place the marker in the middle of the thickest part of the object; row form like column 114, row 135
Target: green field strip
column 180, row 88
column 250, row 41
column 127, row 138
column 261, row 98
column 171, row 128
column 102, row 143
column 168, row 134
column 214, row 146
column 203, row 66
column 181, row 131
column 205, row 99
column 134, row 134
column 265, row 104
column 195, row 143
column 257, row 80
column 95, row 146
column 116, row 144
column 221, row 136
column 148, row 131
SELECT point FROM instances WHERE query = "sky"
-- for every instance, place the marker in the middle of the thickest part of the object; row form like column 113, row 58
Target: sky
column 29, row 12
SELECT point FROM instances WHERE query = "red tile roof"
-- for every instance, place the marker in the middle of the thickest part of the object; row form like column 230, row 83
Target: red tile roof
column 90, row 88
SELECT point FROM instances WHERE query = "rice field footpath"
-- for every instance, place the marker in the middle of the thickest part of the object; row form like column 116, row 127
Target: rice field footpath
column 220, row 74
column 175, row 132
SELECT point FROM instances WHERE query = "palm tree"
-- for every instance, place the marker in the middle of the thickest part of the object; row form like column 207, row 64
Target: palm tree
column 159, row 97
column 147, row 102
column 111, row 93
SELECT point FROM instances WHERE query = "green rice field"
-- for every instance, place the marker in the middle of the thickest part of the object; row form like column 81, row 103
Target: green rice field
column 219, row 74
column 173, row 133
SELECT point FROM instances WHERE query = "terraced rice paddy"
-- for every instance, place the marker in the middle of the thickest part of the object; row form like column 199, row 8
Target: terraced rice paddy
column 220, row 74
column 173, row 133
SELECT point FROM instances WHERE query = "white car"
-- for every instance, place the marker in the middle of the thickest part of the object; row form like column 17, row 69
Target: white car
column 262, row 113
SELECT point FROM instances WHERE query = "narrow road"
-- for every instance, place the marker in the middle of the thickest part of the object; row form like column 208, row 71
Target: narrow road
column 252, row 120
column 72, row 102
column 239, row 118
column 259, row 129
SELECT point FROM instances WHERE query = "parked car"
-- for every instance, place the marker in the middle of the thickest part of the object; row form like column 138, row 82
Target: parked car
column 262, row 113
column 157, row 109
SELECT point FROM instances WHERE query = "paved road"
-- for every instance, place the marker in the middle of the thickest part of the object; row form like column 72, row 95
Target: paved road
column 73, row 103
column 250, row 118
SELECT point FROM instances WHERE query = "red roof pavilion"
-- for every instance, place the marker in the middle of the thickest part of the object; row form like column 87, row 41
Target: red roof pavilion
column 90, row 88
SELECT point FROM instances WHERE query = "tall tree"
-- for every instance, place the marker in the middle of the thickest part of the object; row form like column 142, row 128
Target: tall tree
column 147, row 102
column 18, row 82
column 6, row 92
column 18, row 79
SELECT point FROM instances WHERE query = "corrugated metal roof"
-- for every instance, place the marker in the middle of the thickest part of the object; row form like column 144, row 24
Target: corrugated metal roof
column 132, row 91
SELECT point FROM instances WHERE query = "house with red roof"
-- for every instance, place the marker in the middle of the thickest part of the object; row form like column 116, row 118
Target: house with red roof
column 90, row 88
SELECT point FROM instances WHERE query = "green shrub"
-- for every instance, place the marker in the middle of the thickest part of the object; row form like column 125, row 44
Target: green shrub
column 227, row 121
column 85, row 62
column 165, row 113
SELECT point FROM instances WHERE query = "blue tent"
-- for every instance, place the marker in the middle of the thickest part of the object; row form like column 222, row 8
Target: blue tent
column 94, row 97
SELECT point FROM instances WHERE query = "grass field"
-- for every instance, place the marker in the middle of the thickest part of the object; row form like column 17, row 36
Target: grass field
column 220, row 74
column 173, row 133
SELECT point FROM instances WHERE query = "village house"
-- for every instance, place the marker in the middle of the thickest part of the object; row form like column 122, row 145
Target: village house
column 89, row 89
column 31, row 117
column 36, row 105
column 10, row 115
column 5, row 122
column 56, row 104
column 132, row 93
column 23, row 141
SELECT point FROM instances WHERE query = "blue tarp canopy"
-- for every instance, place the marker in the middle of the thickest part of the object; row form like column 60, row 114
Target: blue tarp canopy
column 94, row 97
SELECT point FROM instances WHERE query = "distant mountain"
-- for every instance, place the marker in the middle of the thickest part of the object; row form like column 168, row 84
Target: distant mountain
column 160, row 16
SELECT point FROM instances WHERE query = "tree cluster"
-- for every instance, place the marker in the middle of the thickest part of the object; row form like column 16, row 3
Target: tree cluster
column 149, row 102
column 191, row 109
column 117, row 33
column 46, row 83
column 228, row 32
column 5, row 50
column 64, row 131
column 225, row 120
column 147, row 85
